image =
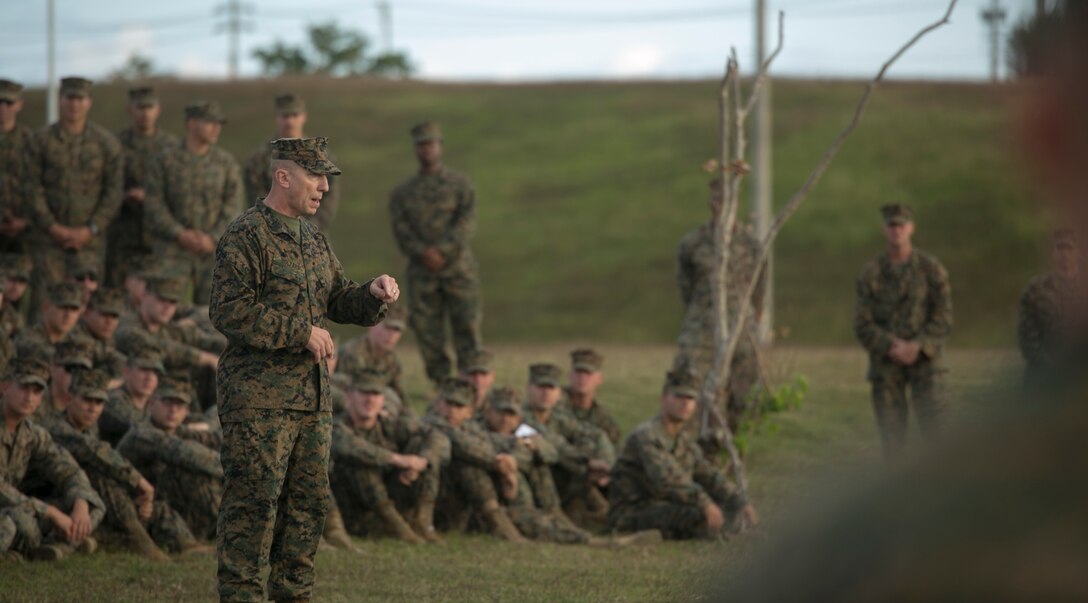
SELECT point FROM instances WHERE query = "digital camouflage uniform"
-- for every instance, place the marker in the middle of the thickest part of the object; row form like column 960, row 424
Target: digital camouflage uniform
column 1045, row 325
column 30, row 452
column 114, row 478
column 664, row 482
column 16, row 149
column 439, row 210
column 127, row 245
column 695, row 270
column 358, row 354
column 103, row 351
column 184, row 466
column 596, row 415
column 188, row 191
column 76, row 182
column 911, row 302
column 364, row 481
column 16, row 266
column 121, row 411
column 274, row 279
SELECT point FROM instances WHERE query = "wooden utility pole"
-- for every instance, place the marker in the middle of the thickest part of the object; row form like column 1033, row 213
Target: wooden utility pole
column 762, row 170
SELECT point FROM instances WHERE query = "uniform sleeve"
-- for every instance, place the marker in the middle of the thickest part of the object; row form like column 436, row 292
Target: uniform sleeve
column 158, row 220
column 471, row 447
column 604, row 421
column 665, row 478
column 198, row 338
column 1029, row 327
column 231, row 201
column 39, row 208
column 463, row 223
column 355, row 451
column 96, row 456
column 715, row 483
column 145, row 444
column 938, row 325
column 405, row 234
column 113, row 179
column 351, row 302
column 236, row 309
column 59, row 468
column 873, row 337
column 546, row 453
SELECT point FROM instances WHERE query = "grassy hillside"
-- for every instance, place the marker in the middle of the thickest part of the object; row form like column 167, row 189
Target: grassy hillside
column 585, row 188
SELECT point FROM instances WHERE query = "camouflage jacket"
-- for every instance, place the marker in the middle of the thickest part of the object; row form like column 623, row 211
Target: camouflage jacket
column 95, row 456
column 597, row 416
column 544, row 453
column 268, row 290
column 138, row 150
column 435, row 210
column 16, row 150
column 180, row 345
column 151, row 450
column 104, row 353
column 11, row 319
column 657, row 466
column 577, row 443
column 183, row 190
column 375, row 447
column 357, row 354
column 258, row 181
column 1045, row 329
column 912, row 302
column 468, row 443
column 30, row 450
column 76, row 178
column 118, row 416
column 695, row 271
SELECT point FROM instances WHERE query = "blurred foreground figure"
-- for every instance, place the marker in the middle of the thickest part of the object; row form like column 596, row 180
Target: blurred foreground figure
column 1047, row 309
column 997, row 514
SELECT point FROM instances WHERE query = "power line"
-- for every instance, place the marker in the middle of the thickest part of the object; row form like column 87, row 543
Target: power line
column 237, row 18
column 994, row 16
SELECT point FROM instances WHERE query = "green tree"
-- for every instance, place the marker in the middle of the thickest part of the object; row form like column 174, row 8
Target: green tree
column 1029, row 41
column 280, row 59
column 333, row 51
column 137, row 67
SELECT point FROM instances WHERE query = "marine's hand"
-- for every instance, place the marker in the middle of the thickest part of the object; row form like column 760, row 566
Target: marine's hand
column 714, row 518
column 385, row 288
column 320, row 344
column 433, row 259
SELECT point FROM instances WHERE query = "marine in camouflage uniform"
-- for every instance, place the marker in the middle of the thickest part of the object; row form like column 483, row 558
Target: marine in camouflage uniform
column 97, row 326
column 374, row 454
column 126, row 245
column 695, row 267
column 585, row 366
column 290, row 119
column 276, row 284
column 65, row 359
column 434, row 215
column 904, row 305
column 127, row 405
column 76, row 181
column 478, row 370
column 28, row 453
column 182, row 463
column 113, row 477
column 16, row 147
column 477, row 474
column 1049, row 311
column 376, row 350
column 15, row 269
column 192, row 190
column 663, row 481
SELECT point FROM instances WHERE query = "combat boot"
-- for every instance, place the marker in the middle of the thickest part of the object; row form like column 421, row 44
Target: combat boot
column 88, row 546
column 395, row 522
column 142, row 543
column 49, row 552
column 423, row 521
column 335, row 534
column 500, row 523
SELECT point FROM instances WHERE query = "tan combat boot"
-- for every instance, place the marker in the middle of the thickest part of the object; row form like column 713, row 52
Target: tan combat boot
column 142, row 543
column 423, row 521
column 500, row 523
column 335, row 532
column 395, row 522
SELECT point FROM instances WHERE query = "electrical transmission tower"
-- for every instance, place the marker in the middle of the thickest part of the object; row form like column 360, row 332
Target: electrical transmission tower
column 994, row 16
column 237, row 17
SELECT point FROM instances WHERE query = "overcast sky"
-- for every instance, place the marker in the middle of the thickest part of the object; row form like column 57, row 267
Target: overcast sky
column 506, row 41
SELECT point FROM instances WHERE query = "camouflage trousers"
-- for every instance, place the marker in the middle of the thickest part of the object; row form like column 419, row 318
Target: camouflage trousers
column 24, row 531
column 165, row 526
column 195, row 270
column 51, row 265
column 890, row 382
column 275, row 499
column 538, row 522
column 431, row 300
column 359, row 491
column 126, row 249
column 463, row 490
column 542, row 488
column 195, row 497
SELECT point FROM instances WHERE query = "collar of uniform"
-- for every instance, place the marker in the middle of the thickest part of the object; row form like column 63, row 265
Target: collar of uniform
column 886, row 261
column 276, row 226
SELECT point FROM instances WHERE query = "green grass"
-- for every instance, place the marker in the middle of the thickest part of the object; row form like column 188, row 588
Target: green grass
column 832, row 432
column 585, row 188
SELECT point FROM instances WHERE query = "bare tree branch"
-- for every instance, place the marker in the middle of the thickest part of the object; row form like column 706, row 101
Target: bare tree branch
column 761, row 77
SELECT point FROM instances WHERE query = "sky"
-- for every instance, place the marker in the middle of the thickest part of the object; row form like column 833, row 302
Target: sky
column 527, row 40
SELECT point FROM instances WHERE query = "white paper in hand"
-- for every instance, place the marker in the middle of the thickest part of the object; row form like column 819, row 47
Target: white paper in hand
column 524, row 431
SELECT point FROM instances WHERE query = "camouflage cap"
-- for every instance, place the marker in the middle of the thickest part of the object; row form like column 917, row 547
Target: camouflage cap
column 458, row 391
column 504, row 399
column 426, row 131
column 33, row 349
column 897, row 213
column 165, row 287
column 147, row 357
column 93, row 384
column 396, row 317
column 73, row 352
column 205, row 110
column 75, row 86
column 287, row 104
column 545, row 374
column 175, row 387
column 65, row 295
column 369, row 380
column 80, row 266
column 16, row 266
column 1065, row 237
column 586, row 359
column 10, row 91
column 143, row 96
column 682, row 384
column 478, row 361
column 107, row 301
column 310, row 153
column 27, row 370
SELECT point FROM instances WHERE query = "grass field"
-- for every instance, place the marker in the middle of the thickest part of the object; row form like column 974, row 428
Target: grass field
column 830, row 434
column 585, row 188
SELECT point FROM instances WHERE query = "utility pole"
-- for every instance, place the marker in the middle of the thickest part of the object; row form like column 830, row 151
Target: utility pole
column 236, row 17
column 994, row 16
column 385, row 17
column 761, row 172
column 51, row 108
